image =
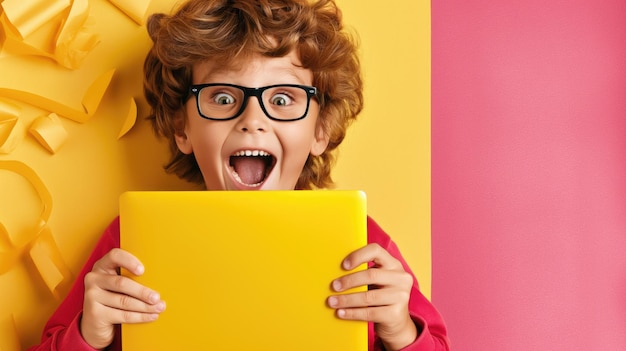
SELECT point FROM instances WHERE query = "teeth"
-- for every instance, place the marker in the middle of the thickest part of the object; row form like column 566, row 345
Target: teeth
column 251, row 153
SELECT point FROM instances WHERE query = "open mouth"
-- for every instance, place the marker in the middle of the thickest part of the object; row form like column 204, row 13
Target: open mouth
column 251, row 167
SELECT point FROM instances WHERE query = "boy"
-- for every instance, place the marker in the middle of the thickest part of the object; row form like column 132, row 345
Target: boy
column 251, row 95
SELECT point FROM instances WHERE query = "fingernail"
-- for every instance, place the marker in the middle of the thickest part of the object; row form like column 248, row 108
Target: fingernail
column 336, row 285
column 154, row 298
column 332, row 301
column 346, row 264
column 341, row 313
column 154, row 316
column 140, row 269
column 160, row 307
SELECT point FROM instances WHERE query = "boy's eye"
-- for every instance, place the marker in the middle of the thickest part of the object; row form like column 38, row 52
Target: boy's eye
column 281, row 100
column 224, row 99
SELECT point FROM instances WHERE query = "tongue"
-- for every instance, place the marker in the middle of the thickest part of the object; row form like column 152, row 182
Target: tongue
column 251, row 170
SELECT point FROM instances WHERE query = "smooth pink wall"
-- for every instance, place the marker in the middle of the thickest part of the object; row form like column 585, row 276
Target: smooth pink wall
column 529, row 173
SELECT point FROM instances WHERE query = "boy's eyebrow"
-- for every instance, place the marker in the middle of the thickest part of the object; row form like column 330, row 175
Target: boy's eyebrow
column 290, row 72
column 210, row 78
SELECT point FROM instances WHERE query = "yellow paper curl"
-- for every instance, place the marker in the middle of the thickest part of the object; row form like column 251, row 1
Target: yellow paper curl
column 28, row 16
column 49, row 132
column 8, row 252
column 44, row 195
column 49, row 263
column 135, row 9
column 40, row 245
column 91, row 99
column 48, row 28
column 9, row 119
column 73, row 45
column 131, row 118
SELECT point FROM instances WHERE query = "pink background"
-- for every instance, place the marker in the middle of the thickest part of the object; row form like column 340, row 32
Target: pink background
column 529, row 173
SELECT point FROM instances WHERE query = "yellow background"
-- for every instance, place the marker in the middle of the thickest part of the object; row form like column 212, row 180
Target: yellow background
column 387, row 152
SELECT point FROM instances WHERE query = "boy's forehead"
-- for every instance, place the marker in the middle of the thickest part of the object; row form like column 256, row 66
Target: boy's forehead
column 287, row 66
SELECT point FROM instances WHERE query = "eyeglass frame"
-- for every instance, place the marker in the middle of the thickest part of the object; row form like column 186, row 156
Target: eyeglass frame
column 195, row 89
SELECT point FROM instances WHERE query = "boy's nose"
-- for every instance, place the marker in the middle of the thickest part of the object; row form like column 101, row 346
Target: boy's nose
column 253, row 118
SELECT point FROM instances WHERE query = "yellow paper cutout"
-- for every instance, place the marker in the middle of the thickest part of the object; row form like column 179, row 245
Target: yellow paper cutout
column 47, row 268
column 8, row 253
column 50, row 265
column 91, row 99
column 28, row 16
column 40, row 244
column 49, row 132
column 9, row 108
column 38, row 43
column 96, row 91
column 32, row 177
column 135, row 9
column 9, row 119
column 9, row 340
column 52, row 29
column 42, row 192
column 10, row 248
column 72, row 45
column 131, row 118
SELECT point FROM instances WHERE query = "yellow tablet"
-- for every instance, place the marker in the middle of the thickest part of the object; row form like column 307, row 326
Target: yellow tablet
column 244, row 270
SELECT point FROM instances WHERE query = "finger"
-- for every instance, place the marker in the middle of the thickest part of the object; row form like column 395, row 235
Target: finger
column 373, row 277
column 118, row 316
column 390, row 322
column 131, row 304
column 126, row 317
column 371, row 253
column 118, row 258
column 95, row 283
column 376, row 314
column 370, row 298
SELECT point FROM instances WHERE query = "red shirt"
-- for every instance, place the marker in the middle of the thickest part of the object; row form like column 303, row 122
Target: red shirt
column 62, row 332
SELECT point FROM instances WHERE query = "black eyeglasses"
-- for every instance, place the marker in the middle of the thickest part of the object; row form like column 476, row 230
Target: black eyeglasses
column 280, row 102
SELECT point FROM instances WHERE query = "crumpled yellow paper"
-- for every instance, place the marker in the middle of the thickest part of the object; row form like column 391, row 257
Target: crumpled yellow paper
column 135, row 9
column 131, row 118
column 48, row 28
column 39, row 243
column 28, row 174
column 8, row 253
column 9, row 118
column 49, row 131
column 28, row 16
column 48, row 262
column 90, row 102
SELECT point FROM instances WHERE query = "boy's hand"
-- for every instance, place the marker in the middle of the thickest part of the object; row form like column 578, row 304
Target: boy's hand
column 113, row 299
column 385, row 303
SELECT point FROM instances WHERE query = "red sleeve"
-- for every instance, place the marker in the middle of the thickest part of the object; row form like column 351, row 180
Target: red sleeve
column 429, row 323
column 62, row 331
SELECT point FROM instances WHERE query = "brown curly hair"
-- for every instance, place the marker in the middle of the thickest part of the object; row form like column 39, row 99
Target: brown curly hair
column 231, row 30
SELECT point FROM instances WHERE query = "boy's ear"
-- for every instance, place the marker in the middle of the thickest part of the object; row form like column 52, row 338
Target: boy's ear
column 183, row 143
column 320, row 142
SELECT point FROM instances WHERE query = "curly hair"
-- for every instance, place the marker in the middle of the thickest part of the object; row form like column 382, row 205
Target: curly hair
column 231, row 30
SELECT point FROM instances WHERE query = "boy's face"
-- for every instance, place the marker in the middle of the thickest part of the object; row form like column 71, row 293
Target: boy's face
column 278, row 149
